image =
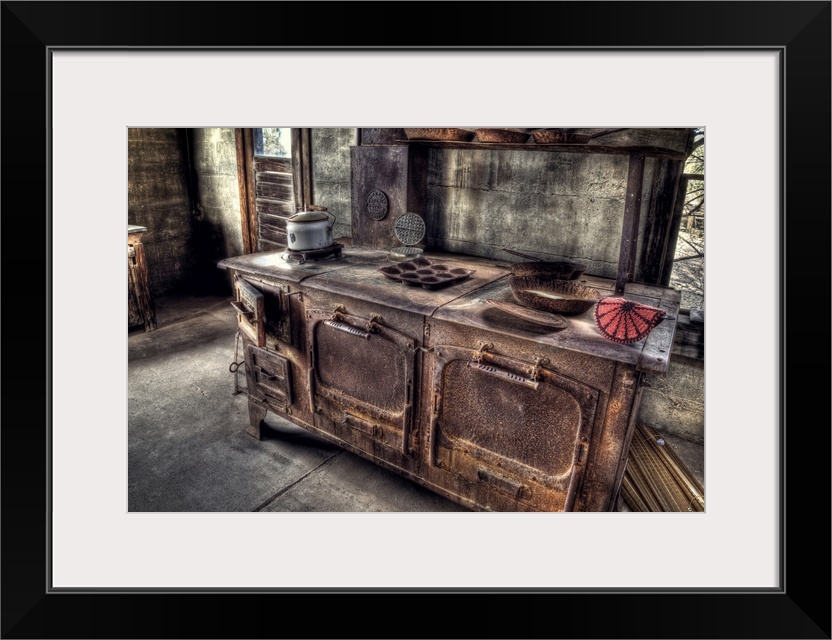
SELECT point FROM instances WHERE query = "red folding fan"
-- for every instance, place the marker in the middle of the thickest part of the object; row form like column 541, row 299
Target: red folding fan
column 626, row 321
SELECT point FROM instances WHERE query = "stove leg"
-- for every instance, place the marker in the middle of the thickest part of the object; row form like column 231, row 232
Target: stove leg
column 256, row 415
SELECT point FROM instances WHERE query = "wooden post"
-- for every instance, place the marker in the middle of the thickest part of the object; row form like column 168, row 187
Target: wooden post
column 659, row 220
column 245, row 183
column 629, row 232
column 673, row 230
column 302, row 167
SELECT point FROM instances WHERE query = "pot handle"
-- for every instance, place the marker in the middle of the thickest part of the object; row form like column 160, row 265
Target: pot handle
column 315, row 207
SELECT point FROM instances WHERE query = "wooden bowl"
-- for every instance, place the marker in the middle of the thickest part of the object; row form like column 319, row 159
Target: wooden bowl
column 446, row 135
column 559, row 136
column 553, row 295
column 502, row 135
column 563, row 270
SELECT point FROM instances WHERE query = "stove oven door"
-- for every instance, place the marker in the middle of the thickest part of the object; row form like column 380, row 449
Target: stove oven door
column 517, row 432
column 361, row 378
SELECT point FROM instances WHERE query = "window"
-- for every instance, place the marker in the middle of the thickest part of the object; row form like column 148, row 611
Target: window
column 274, row 142
column 274, row 183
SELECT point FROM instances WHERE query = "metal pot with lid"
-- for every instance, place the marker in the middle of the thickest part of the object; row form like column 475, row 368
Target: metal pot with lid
column 310, row 230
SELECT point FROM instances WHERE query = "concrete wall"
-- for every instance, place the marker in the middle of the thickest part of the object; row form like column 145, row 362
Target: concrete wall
column 676, row 403
column 331, row 176
column 158, row 198
column 555, row 206
column 218, row 228
column 182, row 186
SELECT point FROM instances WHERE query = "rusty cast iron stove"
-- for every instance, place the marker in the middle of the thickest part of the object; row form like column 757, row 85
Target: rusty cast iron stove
column 442, row 386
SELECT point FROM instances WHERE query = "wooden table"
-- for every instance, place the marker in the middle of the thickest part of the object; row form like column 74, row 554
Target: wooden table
column 140, row 308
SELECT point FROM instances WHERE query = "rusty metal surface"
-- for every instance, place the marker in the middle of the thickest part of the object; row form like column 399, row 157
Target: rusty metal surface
column 535, row 425
column 550, row 320
column 365, row 282
column 365, row 369
column 397, row 171
column 486, row 408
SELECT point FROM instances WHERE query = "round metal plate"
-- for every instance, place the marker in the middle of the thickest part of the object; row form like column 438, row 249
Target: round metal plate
column 409, row 228
column 377, row 204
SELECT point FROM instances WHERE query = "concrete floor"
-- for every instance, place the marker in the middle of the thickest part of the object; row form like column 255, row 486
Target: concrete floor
column 188, row 448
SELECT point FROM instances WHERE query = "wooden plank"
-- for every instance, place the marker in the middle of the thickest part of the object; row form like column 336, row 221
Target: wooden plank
column 672, row 139
column 273, row 234
column 274, row 191
column 275, row 221
column 629, row 232
column 647, row 152
column 658, row 477
column 275, row 207
column 276, row 165
column 268, row 245
column 272, row 177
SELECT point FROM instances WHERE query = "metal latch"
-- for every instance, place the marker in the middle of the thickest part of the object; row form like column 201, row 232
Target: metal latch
column 505, row 375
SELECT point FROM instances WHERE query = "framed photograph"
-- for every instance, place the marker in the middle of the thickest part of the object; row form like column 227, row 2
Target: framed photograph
column 755, row 75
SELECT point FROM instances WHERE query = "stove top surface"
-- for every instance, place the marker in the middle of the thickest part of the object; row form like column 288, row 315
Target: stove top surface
column 296, row 266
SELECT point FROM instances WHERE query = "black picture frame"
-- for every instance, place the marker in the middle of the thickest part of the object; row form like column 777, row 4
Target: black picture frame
column 800, row 608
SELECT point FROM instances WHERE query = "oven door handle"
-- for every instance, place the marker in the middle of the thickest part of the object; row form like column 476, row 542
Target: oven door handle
column 241, row 309
column 502, row 374
column 347, row 328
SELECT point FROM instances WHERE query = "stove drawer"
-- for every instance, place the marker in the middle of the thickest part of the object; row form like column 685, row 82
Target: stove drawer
column 513, row 428
column 268, row 376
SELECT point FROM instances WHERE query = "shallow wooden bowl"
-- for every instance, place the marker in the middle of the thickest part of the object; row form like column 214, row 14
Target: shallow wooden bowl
column 563, row 270
column 559, row 136
column 553, row 295
column 502, row 135
column 447, row 135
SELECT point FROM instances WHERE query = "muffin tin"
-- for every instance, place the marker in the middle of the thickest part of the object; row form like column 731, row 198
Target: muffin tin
column 426, row 273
